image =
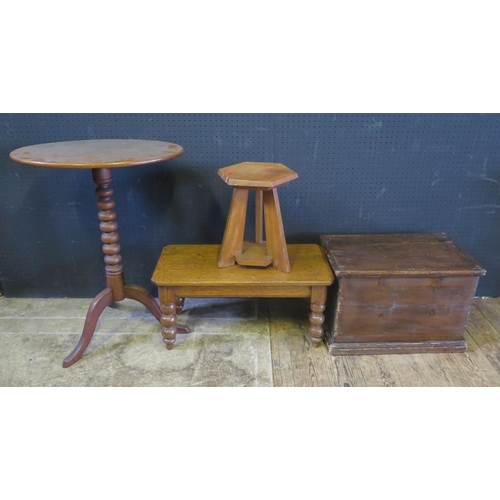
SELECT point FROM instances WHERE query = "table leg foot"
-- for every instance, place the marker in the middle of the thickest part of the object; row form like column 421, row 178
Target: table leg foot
column 183, row 329
column 104, row 299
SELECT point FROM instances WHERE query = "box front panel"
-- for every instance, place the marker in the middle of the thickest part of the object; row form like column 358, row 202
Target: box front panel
column 393, row 292
column 364, row 323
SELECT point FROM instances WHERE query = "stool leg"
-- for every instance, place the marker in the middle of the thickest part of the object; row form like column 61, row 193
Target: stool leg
column 275, row 233
column 317, row 318
column 232, row 242
column 259, row 216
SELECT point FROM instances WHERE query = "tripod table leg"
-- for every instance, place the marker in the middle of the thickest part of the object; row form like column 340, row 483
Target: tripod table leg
column 103, row 300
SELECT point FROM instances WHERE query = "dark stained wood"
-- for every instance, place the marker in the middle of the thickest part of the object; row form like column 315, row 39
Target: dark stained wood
column 97, row 153
column 450, row 292
column 401, row 324
column 111, row 248
column 383, row 255
column 190, row 271
column 97, row 306
column 398, row 293
column 101, row 156
column 115, row 280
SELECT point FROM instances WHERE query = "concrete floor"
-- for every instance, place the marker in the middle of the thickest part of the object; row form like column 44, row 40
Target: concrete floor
column 127, row 348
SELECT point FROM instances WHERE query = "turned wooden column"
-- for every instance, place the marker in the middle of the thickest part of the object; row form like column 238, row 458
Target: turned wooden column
column 116, row 289
column 110, row 237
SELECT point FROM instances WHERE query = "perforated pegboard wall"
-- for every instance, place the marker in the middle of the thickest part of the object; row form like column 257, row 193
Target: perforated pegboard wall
column 358, row 173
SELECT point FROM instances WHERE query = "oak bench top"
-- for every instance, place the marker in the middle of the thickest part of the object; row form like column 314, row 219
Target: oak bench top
column 184, row 265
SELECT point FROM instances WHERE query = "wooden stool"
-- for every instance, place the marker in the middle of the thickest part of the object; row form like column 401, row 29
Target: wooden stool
column 264, row 178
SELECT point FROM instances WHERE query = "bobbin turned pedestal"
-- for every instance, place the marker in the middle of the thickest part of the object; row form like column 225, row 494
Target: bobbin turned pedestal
column 264, row 178
column 101, row 156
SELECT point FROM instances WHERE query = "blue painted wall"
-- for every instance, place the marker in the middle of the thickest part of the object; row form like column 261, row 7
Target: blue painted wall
column 358, row 173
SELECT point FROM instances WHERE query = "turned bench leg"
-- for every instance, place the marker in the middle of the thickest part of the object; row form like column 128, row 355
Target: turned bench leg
column 317, row 318
column 179, row 305
column 170, row 307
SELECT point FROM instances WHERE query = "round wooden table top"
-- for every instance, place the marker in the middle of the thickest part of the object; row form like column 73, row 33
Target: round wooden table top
column 99, row 153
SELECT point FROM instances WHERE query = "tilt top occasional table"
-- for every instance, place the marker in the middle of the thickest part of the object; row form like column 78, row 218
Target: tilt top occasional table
column 101, row 156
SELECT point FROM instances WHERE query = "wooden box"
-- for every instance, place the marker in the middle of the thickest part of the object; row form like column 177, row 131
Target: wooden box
column 398, row 293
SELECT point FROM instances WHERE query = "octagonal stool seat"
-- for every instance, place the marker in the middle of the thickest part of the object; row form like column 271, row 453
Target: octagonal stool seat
column 264, row 178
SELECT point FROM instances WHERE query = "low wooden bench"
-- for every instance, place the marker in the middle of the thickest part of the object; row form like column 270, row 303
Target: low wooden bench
column 191, row 271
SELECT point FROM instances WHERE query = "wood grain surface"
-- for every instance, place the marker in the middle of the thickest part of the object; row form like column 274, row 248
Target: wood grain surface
column 257, row 175
column 97, row 153
column 296, row 363
column 399, row 293
column 420, row 254
column 307, row 262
